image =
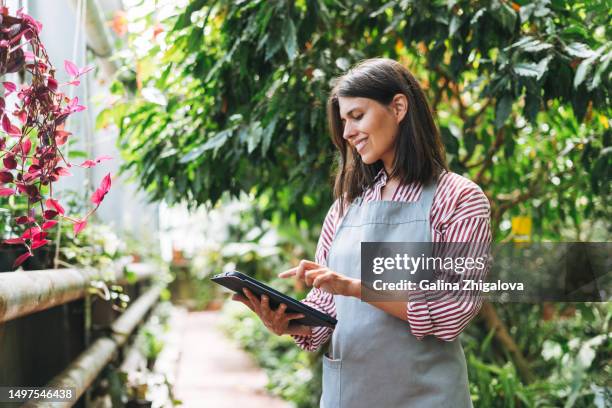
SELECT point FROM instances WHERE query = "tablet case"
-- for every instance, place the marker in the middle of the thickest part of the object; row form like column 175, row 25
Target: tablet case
column 236, row 281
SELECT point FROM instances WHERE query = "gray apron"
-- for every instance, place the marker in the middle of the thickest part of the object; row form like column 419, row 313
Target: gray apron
column 374, row 360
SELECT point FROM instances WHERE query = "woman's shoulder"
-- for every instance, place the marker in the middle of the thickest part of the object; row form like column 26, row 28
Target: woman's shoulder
column 461, row 191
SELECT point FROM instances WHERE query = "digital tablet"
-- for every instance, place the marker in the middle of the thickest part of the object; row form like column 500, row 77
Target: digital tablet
column 236, row 281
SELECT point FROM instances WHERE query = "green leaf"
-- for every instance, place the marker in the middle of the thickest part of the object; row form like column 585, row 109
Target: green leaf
column 504, row 14
column 215, row 142
column 530, row 69
column 455, row 24
column 76, row 154
column 579, row 50
column 254, row 136
column 582, row 71
column 450, row 141
column 527, row 69
column 290, row 40
column 536, row 46
column 477, row 15
column 502, row 110
column 267, row 136
column 154, row 95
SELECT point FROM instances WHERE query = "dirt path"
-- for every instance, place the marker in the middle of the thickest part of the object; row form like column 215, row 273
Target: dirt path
column 214, row 372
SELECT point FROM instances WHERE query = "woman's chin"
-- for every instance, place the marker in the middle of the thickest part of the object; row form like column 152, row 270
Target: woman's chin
column 368, row 158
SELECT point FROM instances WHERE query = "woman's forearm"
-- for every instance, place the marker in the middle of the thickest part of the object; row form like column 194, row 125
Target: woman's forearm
column 299, row 330
column 397, row 309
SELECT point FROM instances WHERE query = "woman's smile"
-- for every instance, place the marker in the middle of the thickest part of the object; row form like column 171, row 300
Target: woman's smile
column 360, row 144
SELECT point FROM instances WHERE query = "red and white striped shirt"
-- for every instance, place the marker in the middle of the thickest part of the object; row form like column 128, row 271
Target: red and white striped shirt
column 460, row 212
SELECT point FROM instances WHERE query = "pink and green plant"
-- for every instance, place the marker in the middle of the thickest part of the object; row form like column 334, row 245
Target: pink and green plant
column 32, row 133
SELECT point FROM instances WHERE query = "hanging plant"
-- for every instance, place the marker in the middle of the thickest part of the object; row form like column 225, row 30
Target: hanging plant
column 32, row 133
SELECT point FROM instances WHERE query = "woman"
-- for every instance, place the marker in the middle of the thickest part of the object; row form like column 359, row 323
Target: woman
column 392, row 169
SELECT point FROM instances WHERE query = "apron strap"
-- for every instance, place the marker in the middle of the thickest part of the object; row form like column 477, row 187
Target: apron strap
column 427, row 196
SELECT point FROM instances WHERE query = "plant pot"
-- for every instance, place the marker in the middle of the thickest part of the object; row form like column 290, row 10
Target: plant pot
column 42, row 259
column 8, row 254
column 138, row 403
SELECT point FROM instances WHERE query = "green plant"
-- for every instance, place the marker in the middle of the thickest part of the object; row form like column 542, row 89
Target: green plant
column 521, row 92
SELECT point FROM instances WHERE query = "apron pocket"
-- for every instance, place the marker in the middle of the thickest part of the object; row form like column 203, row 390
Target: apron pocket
column 332, row 392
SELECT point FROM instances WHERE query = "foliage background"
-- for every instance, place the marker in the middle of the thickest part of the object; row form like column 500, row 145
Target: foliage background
column 220, row 98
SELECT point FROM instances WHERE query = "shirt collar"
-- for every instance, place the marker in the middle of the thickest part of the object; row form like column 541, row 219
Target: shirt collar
column 381, row 177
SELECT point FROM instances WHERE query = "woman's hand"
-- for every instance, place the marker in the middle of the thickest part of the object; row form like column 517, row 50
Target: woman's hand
column 324, row 278
column 277, row 321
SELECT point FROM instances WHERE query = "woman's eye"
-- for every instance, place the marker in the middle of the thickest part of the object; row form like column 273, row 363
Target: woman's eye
column 358, row 117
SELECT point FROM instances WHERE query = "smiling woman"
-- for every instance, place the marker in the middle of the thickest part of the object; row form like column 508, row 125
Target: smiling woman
column 392, row 185
column 380, row 110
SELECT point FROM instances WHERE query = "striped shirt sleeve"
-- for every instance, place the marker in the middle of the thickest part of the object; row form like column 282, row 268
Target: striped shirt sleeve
column 462, row 214
column 317, row 298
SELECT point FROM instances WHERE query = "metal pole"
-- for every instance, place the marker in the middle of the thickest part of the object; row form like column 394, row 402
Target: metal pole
column 99, row 39
column 23, row 293
column 84, row 370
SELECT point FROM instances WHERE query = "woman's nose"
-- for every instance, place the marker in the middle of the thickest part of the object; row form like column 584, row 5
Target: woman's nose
column 349, row 130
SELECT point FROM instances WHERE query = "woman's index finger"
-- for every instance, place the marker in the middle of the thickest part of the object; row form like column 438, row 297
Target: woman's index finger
column 288, row 273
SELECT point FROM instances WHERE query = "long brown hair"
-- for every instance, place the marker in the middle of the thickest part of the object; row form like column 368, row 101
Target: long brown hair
column 419, row 150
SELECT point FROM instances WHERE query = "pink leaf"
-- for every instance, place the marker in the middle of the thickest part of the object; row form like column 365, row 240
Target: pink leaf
column 9, row 128
column 5, row 192
column 24, row 219
column 26, row 146
column 52, row 84
column 49, row 214
column 40, row 243
column 92, row 163
column 39, row 236
column 30, row 233
column 9, row 162
column 21, row 259
column 54, row 205
column 99, row 194
column 105, row 185
column 102, row 158
column 22, row 116
column 73, row 106
column 6, row 177
column 85, row 70
column 97, row 197
column 49, row 224
column 6, row 123
column 9, row 86
column 79, row 226
column 13, row 241
column 71, row 68
column 61, row 136
column 62, row 171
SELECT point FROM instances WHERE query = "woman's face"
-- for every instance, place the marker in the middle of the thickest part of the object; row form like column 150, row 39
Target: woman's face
column 371, row 128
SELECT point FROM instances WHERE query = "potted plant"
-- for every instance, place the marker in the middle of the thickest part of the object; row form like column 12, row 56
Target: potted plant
column 138, row 386
column 32, row 134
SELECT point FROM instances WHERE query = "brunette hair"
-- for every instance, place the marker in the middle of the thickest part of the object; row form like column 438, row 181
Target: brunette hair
column 420, row 154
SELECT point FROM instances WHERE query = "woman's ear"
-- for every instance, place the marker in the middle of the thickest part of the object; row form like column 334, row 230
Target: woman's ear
column 399, row 104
